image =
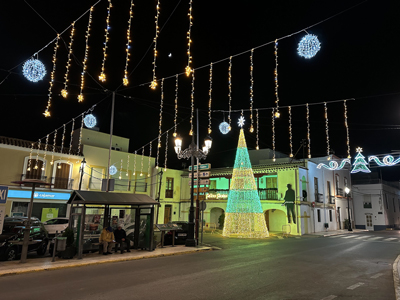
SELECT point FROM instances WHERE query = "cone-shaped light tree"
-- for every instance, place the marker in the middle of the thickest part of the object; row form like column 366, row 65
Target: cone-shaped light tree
column 244, row 216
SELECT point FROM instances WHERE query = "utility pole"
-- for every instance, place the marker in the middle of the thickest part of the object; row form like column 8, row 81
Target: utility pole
column 111, row 134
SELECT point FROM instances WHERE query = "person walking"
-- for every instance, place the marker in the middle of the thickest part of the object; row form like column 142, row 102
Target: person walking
column 290, row 198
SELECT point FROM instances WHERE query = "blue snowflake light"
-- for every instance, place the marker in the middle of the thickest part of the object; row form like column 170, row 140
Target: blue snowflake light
column 90, row 121
column 308, row 46
column 33, row 70
column 224, row 127
column 113, row 170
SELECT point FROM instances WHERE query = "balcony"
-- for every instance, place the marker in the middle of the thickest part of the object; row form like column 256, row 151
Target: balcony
column 268, row 194
column 123, row 185
column 319, row 198
column 58, row 182
column 339, row 192
column 331, row 199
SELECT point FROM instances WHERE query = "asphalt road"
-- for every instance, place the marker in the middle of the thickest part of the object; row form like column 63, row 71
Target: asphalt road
column 354, row 266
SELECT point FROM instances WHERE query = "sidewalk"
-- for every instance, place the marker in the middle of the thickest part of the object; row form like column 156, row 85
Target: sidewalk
column 44, row 264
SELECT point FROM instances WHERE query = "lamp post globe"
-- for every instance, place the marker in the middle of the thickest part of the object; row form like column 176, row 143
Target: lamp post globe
column 347, row 191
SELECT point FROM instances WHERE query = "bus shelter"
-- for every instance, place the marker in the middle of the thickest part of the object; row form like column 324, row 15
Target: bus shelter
column 92, row 211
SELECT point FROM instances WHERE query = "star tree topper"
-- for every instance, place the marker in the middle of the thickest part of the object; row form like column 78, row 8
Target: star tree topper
column 241, row 122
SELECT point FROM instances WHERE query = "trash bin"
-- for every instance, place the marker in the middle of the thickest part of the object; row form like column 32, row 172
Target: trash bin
column 61, row 243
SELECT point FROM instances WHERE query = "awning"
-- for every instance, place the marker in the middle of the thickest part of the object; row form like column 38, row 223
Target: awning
column 105, row 198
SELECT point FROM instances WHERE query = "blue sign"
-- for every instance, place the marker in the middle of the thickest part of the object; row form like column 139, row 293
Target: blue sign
column 38, row 195
column 3, row 194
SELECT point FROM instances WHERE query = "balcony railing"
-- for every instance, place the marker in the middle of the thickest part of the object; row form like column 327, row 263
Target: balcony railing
column 331, row 199
column 268, row 194
column 319, row 198
column 57, row 182
column 339, row 192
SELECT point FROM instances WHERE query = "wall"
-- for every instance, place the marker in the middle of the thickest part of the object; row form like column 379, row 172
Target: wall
column 95, row 138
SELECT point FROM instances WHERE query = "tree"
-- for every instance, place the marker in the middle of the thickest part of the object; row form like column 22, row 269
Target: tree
column 360, row 165
column 244, row 216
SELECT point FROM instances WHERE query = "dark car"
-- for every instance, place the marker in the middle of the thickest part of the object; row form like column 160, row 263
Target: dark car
column 180, row 235
column 13, row 235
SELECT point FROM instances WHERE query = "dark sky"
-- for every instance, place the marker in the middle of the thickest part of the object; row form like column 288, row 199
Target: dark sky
column 359, row 58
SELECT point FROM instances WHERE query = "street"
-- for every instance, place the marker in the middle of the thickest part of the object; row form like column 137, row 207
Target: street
column 354, row 265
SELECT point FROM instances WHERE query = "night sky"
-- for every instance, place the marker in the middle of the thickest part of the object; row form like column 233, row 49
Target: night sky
column 359, row 59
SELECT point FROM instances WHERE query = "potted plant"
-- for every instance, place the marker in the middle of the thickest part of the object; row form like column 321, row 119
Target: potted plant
column 70, row 249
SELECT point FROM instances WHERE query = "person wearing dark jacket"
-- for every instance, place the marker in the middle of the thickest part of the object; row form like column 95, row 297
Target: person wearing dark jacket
column 121, row 239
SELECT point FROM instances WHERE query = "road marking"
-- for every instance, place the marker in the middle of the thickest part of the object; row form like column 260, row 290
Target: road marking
column 376, row 275
column 390, row 239
column 362, row 237
column 329, row 297
column 348, row 237
column 375, row 238
column 354, row 286
column 336, row 236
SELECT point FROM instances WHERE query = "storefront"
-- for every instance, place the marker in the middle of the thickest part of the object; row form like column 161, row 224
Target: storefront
column 46, row 204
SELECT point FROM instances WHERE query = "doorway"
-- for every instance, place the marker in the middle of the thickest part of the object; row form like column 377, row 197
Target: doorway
column 167, row 213
column 368, row 222
column 338, row 215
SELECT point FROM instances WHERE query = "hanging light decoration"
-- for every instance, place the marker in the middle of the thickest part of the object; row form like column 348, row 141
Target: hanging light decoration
column 273, row 134
column 148, row 163
column 134, row 164
column 251, row 91
column 102, row 76
column 160, row 122
column 166, row 151
column 71, row 138
column 45, row 153
column 230, row 90
column 346, row 124
column 257, row 138
column 290, row 132
column 188, row 68
column 37, row 155
column 90, row 121
column 308, row 131
column 113, row 170
column 327, row 131
column 210, row 100
column 125, row 80
column 80, row 134
column 192, row 105
column 308, row 46
column 64, row 91
column 54, row 147
column 224, row 127
column 120, row 171
column 176, row 104
column 47, row 112
column 277, row 114
column 127, row 167
column 141, row 167
column 154, row 83
column 30, row 159
column 33, row 70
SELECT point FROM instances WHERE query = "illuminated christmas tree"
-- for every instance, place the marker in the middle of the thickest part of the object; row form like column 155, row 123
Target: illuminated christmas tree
column 360, row 165
column 244, row 215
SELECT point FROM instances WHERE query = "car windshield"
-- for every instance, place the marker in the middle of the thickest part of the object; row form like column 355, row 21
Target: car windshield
column 11, row 229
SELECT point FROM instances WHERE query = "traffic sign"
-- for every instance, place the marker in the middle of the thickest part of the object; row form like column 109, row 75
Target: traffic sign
column 203, row 205
column 201, row 197
column 203, row 174
column 202, row 182
column 203, row 189
column 202, row 167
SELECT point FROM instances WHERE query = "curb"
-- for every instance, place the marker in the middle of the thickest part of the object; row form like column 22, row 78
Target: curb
column 396, row 280
column 84, row 264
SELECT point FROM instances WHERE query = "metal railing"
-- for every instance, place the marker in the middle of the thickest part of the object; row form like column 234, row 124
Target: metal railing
column 319, row 198
column 268, row 194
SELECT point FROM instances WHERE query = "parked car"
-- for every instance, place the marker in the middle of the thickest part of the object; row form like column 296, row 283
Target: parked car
column 56, row 224
column 13, row 234
column 180, row 235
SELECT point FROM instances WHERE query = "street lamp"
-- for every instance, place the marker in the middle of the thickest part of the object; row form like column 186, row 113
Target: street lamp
column 347, row 191
column 192, row 152
column 82, row 170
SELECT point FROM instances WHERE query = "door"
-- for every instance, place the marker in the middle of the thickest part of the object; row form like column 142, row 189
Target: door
column 167, row 214
column 368, row 222
column 338, row 215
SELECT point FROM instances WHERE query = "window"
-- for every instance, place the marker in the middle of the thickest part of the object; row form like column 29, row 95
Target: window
column 328, row 186
column 337, row 184
column 387, row 203
column 394, row 206
column 330, row 215
column 319, row 215
column 34, row 171
column 61, row 180
column 316, row 189
column 169, row 188
column 345, row 182
column 367, row 201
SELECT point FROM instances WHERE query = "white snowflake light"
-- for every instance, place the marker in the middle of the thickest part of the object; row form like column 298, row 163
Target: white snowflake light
column 308, row 46
column 90, row 121
column 241, row 121
column 224, row 127
column 113, row 170
column 34, row 70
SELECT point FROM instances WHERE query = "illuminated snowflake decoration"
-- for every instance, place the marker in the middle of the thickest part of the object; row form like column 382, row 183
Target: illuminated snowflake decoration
column 224, row 127
column 113, row 170
column 90, row 121
column 308, row 46
column 33, row 70
column 241, row 121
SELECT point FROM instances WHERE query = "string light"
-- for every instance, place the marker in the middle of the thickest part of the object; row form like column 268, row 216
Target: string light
column 120, row 171
column 387, row 161
column 30, row 159
column 273, row 134
column 333, row 165
column 160, row 122
column 64, row 91
column 154, row 83
column 134, row 164
column 327, row 131
column 84, row 66
column 257, row 139
column 166, row 152
column 62, row 139
column 210, row 100
column 192, row 105
column 141, row 168
column 102, row 76
column 230, row 91
column 188, row 68
column 80, row 134
column 251, row 91
column 127, row 167
column 37, row 155
column 125, row 80
column 277, row 114
column 308, row 131
column 148, row 163
column 176, row 104
column 347, row 129
column 72, row 136
column 54, row 147
column 47, row 112
column 290, row 132
column 45, row 152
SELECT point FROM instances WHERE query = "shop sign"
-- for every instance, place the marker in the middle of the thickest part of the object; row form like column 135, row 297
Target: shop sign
column 204, row 174
column 217, row 196
column 3, row 194
column 38, row 195
column 202, row 167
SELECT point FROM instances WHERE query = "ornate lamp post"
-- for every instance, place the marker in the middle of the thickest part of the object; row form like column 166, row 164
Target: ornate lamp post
column 192, row 152
column 347, row 191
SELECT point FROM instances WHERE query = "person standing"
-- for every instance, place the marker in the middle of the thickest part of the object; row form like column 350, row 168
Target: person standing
column 107, row 239
column 290, row 198
column 121, row 238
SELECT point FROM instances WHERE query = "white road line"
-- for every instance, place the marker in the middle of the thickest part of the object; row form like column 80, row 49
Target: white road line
column 348, row 237
column 391, row 239
column 375, row 238
column 362, row 237
column 329, row 297
column 376, row 275
column 336, row 236
column 354, row 286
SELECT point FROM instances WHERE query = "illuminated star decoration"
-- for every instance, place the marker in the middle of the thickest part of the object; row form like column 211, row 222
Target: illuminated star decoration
column 333, row 165
column 224, row 127
column 241, row 122
column 90, row 121
column 387, row 161
column 113, row 170
column 308, row 46
column 34, row 70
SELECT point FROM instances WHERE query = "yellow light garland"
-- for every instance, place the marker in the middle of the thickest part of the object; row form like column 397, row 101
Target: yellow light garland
column 188, row 68
column 134, row 164
column 273, row 134
column 230, row 91
column 347, row 129
column 37, row 155
column 64, row 91
column 47, row 111
column 62, row 140
column 290, row 132
column 257, row 138
column 125, row 80
column 127, row 167
column 160, row 122
column 327, row 131
column 84, row 66
column 30, row 159
column 277, row 114
column 210, row 99
column 45, row 153
column 72, row 136
column 166, row 152
column 102, row 76
column 120, row 171
column 192, row 105
column 54, row 147
column 154, row 83
column 80, row 135
column 251, row 91
column 148, row 164
column 141, row 167
column 308, row 131
column 176, row 104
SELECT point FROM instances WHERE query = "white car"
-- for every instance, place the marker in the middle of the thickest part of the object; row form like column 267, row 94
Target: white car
column 56, row 224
